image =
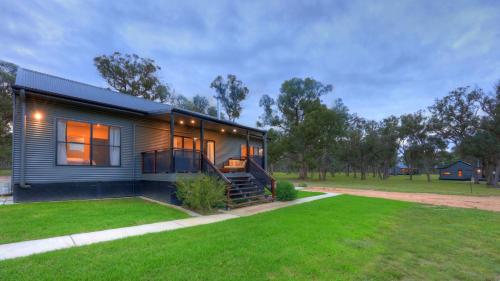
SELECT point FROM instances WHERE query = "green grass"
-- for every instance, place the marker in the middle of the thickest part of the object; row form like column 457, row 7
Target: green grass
column 29, row 221
column 397, row 183
column 339, row 238
column 303, row 194
column 5, row 172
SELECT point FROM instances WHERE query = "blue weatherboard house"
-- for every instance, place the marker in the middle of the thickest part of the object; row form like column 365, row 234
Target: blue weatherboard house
column 76, row 141
column 459, row 170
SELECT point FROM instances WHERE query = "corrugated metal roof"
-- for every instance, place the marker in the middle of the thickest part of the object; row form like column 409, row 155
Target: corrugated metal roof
column 53, row 85
column 64, row 88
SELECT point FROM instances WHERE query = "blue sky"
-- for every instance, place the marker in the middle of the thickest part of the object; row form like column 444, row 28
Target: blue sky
column 382, row 57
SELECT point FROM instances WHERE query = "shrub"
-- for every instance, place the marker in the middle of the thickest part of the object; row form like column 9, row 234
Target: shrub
column 285, row 191
column 201, row 193
column 303, row 184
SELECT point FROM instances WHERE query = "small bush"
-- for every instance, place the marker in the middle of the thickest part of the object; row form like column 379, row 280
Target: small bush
column 303, row 184
column 285, row 191
column 201, row 193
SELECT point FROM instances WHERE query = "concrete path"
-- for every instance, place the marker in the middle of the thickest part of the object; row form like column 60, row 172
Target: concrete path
column 26, row 248
column 256, row 209
column 5, row 187
column 6, row 200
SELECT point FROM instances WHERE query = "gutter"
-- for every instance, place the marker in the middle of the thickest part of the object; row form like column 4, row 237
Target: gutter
column 58, row 97
column 215, row 120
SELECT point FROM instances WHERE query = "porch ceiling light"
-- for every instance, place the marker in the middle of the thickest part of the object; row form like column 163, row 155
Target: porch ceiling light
column 192, row 122
column 38, row 116
column 181, row 122
column 234, row 130
column 222, row 130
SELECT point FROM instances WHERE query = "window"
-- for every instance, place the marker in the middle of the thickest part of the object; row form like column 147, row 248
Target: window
column 81, row 143
column 183, row 143
column 460, row 173
column 251, row 151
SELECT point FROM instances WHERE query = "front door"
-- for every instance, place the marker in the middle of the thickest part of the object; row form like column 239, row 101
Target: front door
column 210, row 150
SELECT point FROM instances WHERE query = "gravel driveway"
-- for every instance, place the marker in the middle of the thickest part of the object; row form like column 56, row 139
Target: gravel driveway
column 489, row 203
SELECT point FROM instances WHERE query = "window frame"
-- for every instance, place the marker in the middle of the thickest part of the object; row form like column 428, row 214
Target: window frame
column 90, row 144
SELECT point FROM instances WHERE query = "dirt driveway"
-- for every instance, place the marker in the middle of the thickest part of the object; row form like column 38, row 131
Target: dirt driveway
column 490, row 203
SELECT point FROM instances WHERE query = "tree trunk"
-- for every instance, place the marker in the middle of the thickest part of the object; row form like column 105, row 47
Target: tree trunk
column 363, row 173
column 354, row 173
column 303, row 168
column 497, row 174
column 348, row 169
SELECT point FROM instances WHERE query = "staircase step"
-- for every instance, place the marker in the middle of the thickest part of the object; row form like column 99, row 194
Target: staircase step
column 245, row 195
column 249, row 198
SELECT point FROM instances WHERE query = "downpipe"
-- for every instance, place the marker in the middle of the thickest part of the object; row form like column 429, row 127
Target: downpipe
column 22, row 180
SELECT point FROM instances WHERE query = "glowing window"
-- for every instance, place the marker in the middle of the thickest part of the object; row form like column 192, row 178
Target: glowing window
column 81, row 143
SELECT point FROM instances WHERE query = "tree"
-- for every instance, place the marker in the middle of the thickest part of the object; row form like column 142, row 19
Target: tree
column 133, row 75
column 485, row 144
column 7, row 78
column 230, row 93
column 199, row 104
column 298, row 97
column 388, row 144
column 421, row 144
column 455, row 116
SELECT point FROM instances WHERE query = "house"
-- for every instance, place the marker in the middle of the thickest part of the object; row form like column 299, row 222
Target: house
column 458, row 170
column 402, row 169
column 76, row 141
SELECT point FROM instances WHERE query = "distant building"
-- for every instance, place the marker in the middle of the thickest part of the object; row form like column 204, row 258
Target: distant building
column 459, row 170
column 401, row 169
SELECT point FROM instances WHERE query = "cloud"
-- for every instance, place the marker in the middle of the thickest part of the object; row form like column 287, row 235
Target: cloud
column 382, row 57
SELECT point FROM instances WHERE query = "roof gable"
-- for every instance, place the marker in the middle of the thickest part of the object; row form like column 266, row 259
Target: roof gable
column 455, row 163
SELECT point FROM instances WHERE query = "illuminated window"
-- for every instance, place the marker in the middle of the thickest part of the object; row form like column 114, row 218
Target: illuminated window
column 81, row 143
column 445, row 173
column 183, row 143
column 251, row 151
column 460, row 173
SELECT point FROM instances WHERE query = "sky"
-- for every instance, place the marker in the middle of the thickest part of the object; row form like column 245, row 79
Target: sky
column 381, row 57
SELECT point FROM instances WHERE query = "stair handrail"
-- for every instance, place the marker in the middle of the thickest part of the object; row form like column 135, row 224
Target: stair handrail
column 252, row 162
column 220, row 175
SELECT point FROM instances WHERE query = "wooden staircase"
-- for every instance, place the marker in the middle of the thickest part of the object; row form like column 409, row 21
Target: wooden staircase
column 245, row 191
column 243, row 188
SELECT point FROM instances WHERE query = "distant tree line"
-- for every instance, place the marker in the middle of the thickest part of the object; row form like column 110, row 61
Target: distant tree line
column 308, row 136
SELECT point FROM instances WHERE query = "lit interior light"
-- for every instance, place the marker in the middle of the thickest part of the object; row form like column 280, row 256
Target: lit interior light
column 38, row 116
column 234, row 130
column 181, row 122
column 222, row 130
column 192, row 121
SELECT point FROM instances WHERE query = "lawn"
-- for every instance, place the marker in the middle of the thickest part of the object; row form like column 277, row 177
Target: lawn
column 303, row 194
column 397, row 183
column 29, row 221
column 5, row 172
column 338, row 238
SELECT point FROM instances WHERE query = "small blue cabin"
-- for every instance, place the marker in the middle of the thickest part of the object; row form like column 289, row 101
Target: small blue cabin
column 459, row 170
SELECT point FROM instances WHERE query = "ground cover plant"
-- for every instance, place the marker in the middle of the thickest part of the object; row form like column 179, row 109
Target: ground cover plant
column 29, row 221
column 339, row 238
column 201, row 193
